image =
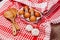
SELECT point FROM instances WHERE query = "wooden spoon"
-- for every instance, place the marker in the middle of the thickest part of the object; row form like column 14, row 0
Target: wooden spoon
column 14, row 12
column 11, row 15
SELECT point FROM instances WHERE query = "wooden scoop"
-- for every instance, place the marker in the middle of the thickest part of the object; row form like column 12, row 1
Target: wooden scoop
column 14, row 12
column 14, row 29
column 11, row 15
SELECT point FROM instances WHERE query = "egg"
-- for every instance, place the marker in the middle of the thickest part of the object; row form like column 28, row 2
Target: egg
column 21, row 12
column 27, row 15
column 32, row 18
column 37, row 14
column 31, row 10
column 29, row 28
column 35, row 32
column 26, row 7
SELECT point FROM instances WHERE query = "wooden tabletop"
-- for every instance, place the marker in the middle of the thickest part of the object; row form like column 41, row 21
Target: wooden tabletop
column 55, row 33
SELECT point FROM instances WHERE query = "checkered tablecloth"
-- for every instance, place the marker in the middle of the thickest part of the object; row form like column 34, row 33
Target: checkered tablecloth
column 43, row 25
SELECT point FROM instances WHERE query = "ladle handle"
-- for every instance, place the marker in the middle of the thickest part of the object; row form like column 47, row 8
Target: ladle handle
column 13, row 29
column 16, row 26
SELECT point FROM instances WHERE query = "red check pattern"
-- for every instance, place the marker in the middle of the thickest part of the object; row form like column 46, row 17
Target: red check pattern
column 6, row 31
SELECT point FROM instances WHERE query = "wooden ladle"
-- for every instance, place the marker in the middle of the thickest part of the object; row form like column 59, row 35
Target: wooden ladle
column 11, row 15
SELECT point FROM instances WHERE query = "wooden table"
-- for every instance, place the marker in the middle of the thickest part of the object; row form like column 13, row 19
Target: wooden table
column 55, row 33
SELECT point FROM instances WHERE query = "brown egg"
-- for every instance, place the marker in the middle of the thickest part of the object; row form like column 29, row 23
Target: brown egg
column 21, row 12
column 37, row 14
column 27, row 15
column 32, row 18
column 31, row 10
column 26, row 7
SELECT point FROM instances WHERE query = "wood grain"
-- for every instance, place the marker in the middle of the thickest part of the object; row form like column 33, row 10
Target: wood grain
column 55, row 33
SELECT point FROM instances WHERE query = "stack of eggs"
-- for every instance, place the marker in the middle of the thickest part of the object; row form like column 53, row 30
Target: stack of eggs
column 30, row 14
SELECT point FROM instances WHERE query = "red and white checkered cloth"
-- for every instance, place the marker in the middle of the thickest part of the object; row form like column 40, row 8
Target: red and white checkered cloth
column 43, row 25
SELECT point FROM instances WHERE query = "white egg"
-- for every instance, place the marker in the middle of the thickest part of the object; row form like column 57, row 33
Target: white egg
column 35, row 32
column 29, row 28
